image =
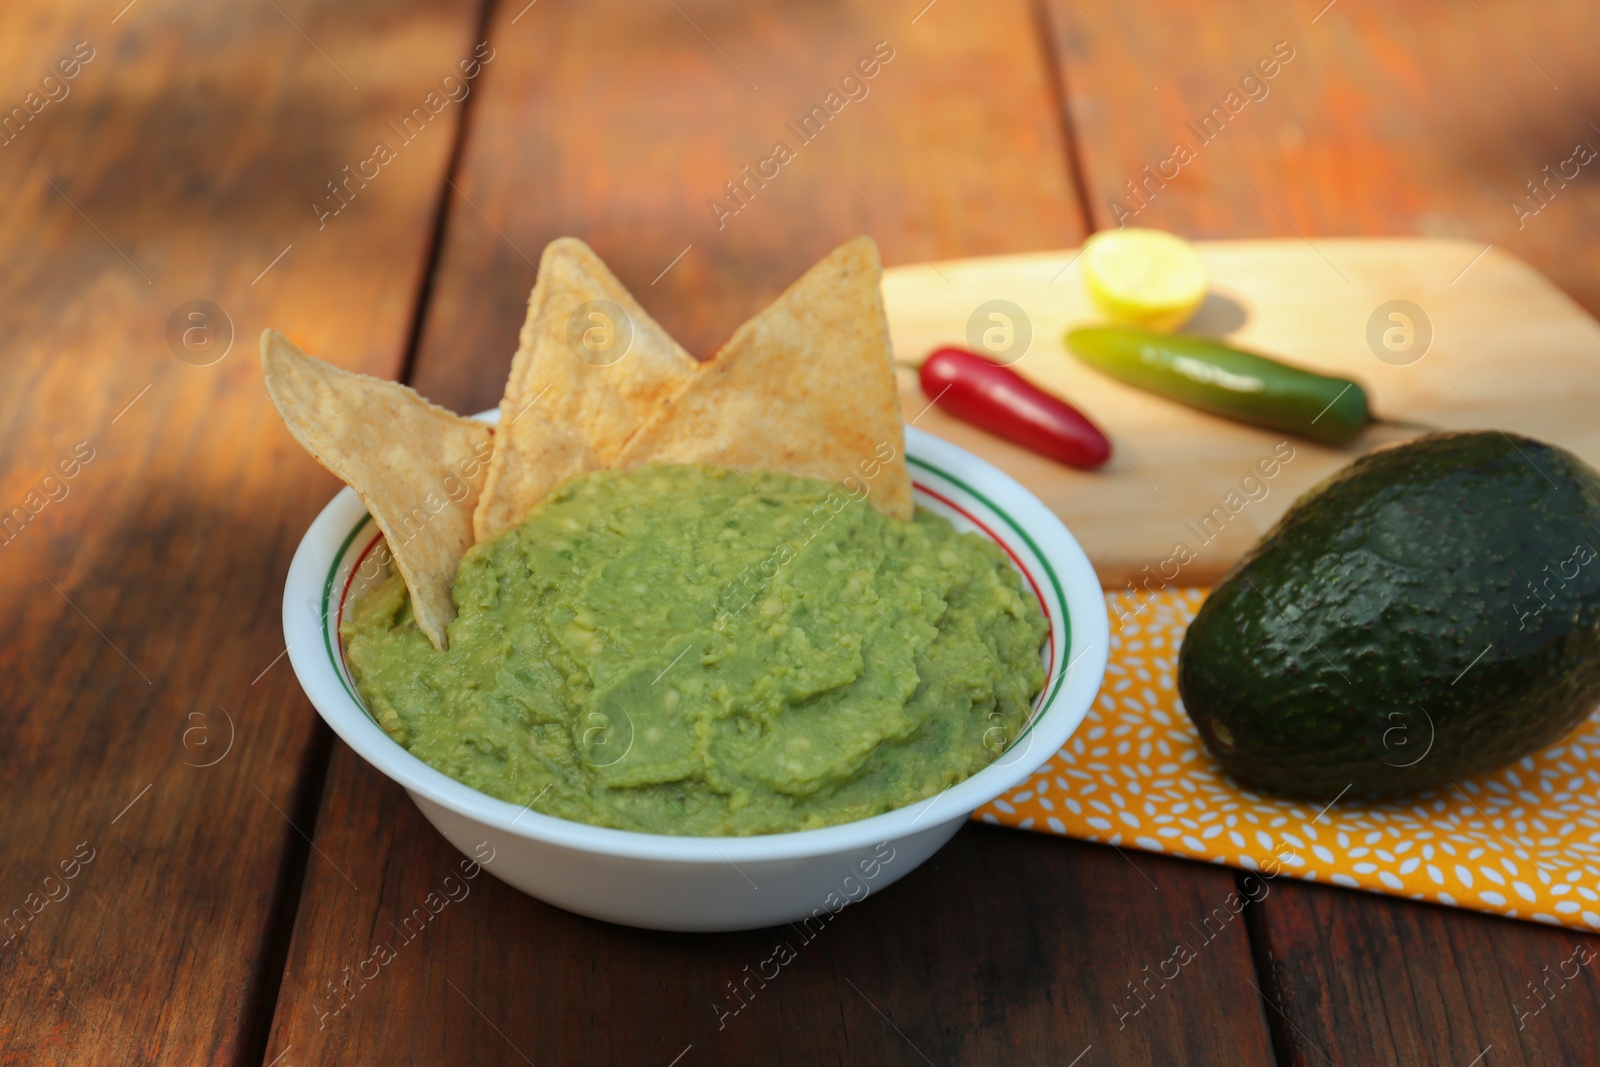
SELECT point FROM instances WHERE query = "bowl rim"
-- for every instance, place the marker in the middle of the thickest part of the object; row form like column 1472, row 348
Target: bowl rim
column 944, row 473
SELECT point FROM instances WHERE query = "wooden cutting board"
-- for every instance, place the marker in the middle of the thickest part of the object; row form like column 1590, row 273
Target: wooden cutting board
column 1508, row 351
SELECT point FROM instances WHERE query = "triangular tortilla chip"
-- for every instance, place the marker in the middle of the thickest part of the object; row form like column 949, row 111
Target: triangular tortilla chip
column 806, row 387
column 417, row 467
column 583, row 369
column 546, row 454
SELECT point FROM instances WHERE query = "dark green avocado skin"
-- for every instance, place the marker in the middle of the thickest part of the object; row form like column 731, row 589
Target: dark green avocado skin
column 1430, row 612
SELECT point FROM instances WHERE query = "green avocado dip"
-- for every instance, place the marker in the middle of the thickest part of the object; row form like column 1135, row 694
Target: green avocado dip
column 691, row 650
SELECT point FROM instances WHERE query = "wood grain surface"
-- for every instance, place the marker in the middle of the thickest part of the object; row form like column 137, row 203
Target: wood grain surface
column 620, row 124
column 941, row 954
column 1406, row 983
column 1424, row 119
column 179, row 840
column 1004, row 948
column 147, row 724
column 1168, row 486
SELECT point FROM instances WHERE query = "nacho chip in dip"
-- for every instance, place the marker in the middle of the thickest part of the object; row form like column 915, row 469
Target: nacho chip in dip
column 591, row 363
column 417, row 467
column 806, row 387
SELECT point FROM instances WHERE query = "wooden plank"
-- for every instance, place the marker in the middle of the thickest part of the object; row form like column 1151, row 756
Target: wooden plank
column 1168, row 483
column 155, row 746
column 618, row 129
column 1428, row 120
column 621, row 126
column 1006, row 947
column 1383, row 981
column 1423, row 120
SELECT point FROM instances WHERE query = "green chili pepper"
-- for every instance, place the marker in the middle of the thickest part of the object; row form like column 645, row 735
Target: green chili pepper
column 1226, row 381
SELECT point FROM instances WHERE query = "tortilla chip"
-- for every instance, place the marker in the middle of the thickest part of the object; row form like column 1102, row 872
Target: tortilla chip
column 806, row 387
column 546, row 454
column 417, row 467
column 599, row 378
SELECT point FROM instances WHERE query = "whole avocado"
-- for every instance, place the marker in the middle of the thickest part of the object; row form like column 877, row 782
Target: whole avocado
column 1428, row 613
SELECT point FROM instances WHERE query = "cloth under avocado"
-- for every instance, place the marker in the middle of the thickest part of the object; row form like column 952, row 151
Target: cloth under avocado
column 692, row 650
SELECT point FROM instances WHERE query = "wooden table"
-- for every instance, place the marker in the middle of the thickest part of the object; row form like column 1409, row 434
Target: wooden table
column 241, row 864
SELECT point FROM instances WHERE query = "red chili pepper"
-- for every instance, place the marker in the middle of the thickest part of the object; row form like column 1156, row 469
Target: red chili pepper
column 1001, row 401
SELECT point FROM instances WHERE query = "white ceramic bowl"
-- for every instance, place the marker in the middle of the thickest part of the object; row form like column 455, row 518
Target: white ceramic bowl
column 720, row 883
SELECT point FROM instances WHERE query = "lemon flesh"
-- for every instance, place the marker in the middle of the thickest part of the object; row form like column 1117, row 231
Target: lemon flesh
column 1147, row 278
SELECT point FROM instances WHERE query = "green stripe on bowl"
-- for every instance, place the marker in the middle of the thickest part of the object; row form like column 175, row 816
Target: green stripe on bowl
column 327, row 603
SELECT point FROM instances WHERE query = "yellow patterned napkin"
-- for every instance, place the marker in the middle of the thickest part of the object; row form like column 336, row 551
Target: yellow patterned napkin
column 1523, row 842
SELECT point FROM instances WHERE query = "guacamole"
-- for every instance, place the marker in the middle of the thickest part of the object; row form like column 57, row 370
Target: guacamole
column 692, row 650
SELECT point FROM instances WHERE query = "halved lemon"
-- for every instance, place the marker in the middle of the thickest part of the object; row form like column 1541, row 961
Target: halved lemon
column 1147, row 278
